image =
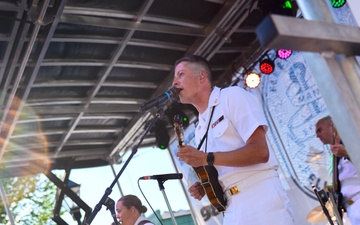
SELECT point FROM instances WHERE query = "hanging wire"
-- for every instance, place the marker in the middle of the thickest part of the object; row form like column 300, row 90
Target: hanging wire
column 148, row 202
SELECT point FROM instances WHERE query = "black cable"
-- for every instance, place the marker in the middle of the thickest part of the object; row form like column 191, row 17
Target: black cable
column 148, row 202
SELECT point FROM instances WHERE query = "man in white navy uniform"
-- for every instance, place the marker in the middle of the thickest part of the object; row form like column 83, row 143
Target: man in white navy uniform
column 347, row 174
column 235, row 144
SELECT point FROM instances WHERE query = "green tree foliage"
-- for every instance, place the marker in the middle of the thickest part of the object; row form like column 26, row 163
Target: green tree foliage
column 31, row 200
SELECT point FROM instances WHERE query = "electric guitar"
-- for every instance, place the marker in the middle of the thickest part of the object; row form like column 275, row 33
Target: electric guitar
column 207, row 175
column 335, row 176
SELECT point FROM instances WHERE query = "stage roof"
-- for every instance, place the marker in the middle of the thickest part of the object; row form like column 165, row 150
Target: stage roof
column 74, row 73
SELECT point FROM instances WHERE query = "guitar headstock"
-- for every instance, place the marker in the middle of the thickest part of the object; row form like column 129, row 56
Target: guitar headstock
column 179, row 129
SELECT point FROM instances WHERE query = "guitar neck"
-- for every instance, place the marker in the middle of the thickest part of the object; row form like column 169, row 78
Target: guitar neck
column 180, row 143
column 335, row 162
column 180, row 136
column 335, row 173
column 179, row 130
column 208, row 175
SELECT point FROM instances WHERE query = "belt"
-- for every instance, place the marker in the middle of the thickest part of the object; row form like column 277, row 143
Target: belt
column 352, row 200
column 245, row 184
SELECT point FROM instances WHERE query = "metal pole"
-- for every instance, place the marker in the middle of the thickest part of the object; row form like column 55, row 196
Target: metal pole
column 117, row 182
column 162, row 189
column 6, row 204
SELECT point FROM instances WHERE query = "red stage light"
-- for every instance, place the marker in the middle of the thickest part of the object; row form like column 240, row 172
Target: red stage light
column 267, row 66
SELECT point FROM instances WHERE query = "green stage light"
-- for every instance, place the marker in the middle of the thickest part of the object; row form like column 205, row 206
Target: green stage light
column 337, row 3
column 185, row 119
column 280, row 7
column 287, row 5
column 176, row 110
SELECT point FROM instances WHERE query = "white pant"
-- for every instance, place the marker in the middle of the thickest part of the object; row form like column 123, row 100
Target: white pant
column 353, row 212
column 262, row 204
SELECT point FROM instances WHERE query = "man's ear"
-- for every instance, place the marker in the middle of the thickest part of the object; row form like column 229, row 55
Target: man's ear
column 202, row 75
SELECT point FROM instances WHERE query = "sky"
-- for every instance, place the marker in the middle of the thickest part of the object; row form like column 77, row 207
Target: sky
column 147, row 161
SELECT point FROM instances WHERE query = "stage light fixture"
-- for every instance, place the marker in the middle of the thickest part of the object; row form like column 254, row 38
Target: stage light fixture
column 287, row 4
column 177, row 109
column 252, row 80
column 162, row 135
column 281, row 7
column 284, row 53
column 267, row 66
column 337, row 3
column 184, row 118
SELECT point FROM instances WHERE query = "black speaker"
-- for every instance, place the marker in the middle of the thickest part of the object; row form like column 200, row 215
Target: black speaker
column 162, row 135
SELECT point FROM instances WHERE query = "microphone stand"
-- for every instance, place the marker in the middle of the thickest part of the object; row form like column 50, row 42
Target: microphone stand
column 326, row 212
column 108, row 190
column 335, row 209
column 162, row 188
column 110, row 205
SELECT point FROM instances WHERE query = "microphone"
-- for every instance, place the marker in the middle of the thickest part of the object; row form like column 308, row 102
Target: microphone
column 171, row 93
column 163, row 177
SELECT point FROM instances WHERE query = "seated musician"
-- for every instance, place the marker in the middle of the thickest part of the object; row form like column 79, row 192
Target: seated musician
column 347, row 175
